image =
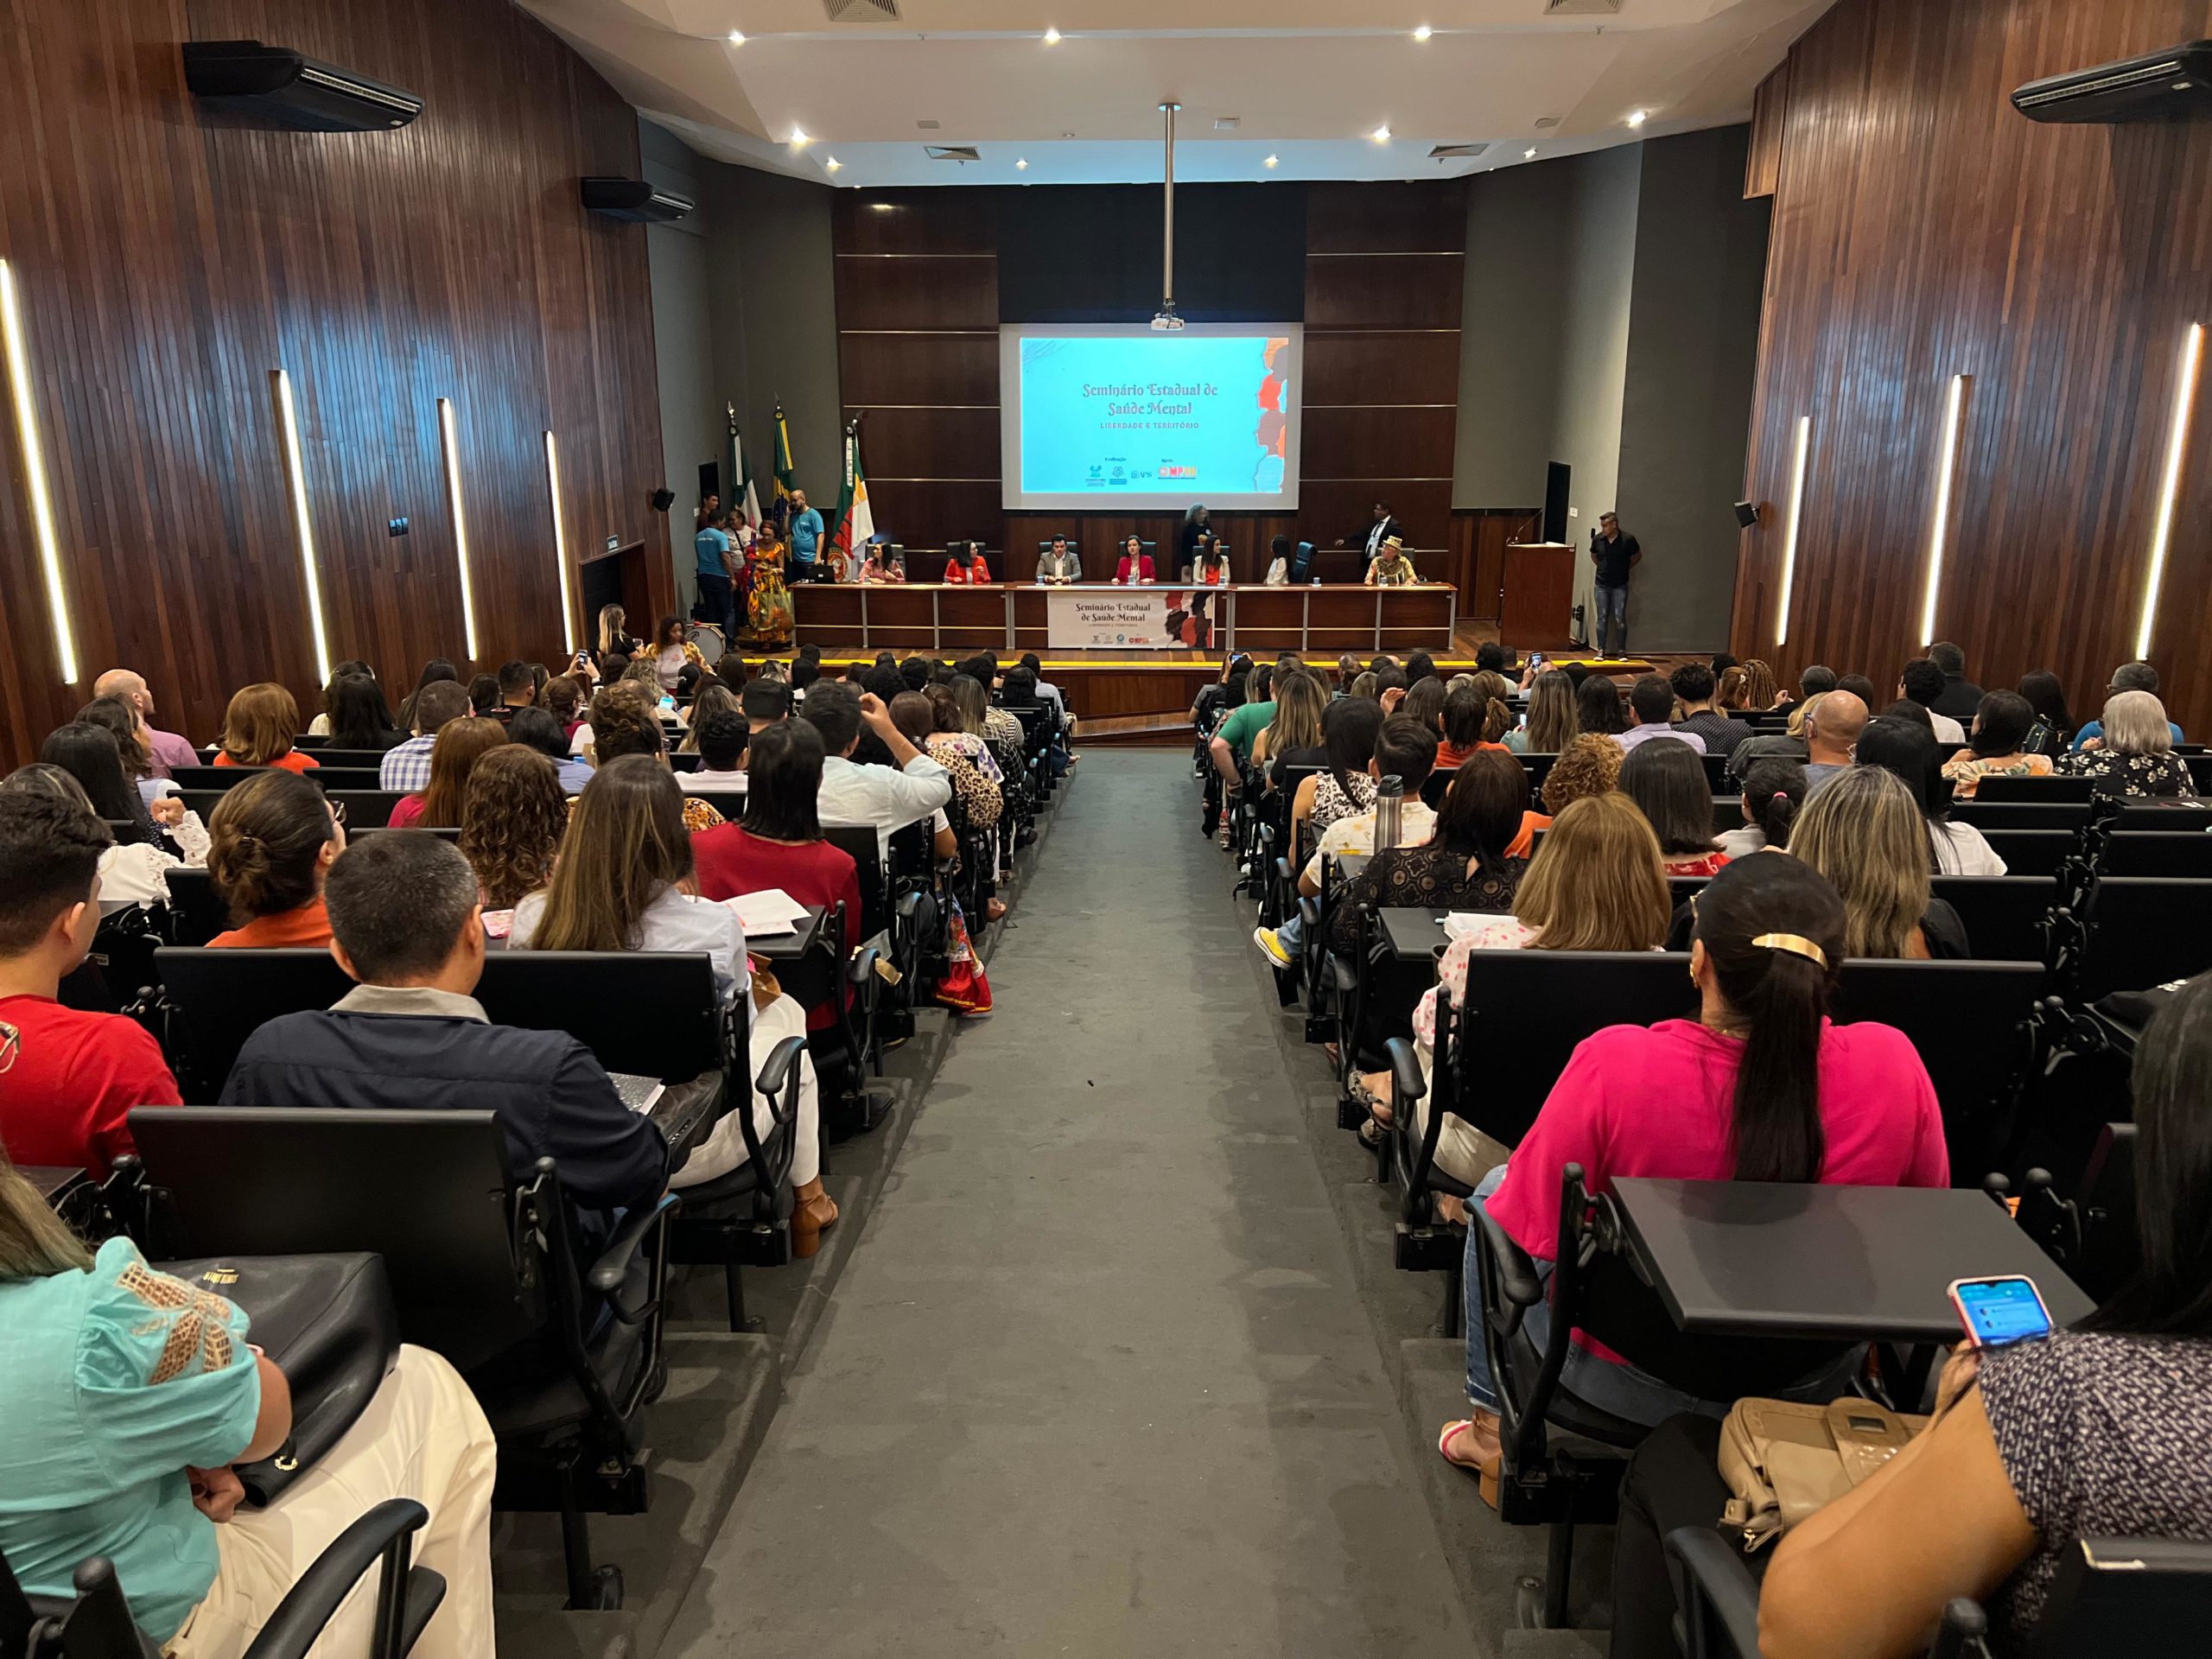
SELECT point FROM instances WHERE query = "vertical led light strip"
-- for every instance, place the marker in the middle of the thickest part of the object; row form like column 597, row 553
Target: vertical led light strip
column 49, row 548
column 460, row 524
column 296, row 477
column 2192, row 360
column 1952, row 410
column 560, row 542
column 1797, row 517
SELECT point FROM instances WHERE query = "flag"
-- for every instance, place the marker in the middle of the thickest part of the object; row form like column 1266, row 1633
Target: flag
column 855, row 524
column 786, row 475
column 745, row 500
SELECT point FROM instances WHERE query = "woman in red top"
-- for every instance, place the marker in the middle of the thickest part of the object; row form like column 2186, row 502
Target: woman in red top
column 257, row 730
column 779, row 842
column 1759, row 1087
column 269, row 843
column 1135, row 567
column 1667, row 780
column 441, row 804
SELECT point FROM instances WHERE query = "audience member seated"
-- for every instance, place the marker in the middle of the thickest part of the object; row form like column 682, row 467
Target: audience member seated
column 2095, row 1431
column 621, row 881
column 406, row 766
column 1860, row 687
column 1462, row 867
column 1589, row 764
column 167, row 750
column 1469, row 720
column 129, row 1396
column 1667, row 782
column 1652, row 702
column 2128, row 676
column 1293, row 737
column 1921, row 682
column 271, row 844
column 133, row 745
column 1832, row 723
column 407, row 926
column 721, row 737
column 765, row 703
column 563, row 699
column 460, row 745
column 2053, row 732
column 1550, row 725
column 1788, row 744
column 88, row 753
column 131, row 871
column 1423, row 700
column 257, row 730
column 1817, row 681
column 1405, row 749
column 518, row 690
column 511, row 827
column 1597, row 707
column 667, row 654
column 1995, row 747
column 712, row 696
column 1774, row 793
column 1349, row 727
column 1960, row 698
column 1693, row 688
column 1866, row 834
column 977, row 783
column 540, row 730
column 888, row 799
column 624, row 722
column 2134, row 756
column 483, row 694
column 1902, row 745
column 1760, row 1087
column 68, row 1079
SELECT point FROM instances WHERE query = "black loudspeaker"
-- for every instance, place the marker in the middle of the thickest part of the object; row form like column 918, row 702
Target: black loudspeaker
column 663, row 500
column 1557, row 478
column 1746, row 514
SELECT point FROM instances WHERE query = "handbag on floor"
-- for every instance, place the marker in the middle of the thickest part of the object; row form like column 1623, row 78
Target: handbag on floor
column 1784, row 1459
column 330, row 1325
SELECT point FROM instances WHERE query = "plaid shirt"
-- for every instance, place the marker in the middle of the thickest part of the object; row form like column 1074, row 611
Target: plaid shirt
column 408, row 766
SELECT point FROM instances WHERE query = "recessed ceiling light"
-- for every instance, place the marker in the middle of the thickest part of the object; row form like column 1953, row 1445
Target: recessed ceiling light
column 1423, row 32
column 1021, row 165
column 1052, row 37
column 833, row 164
column 1270, row 161
column 799, row 138
column 1529, row 154
column 1637, row 118
column 1381, row 135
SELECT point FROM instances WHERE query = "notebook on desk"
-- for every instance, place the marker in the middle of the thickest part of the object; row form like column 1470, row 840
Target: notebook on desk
column 770, row 911
column 639, row 1093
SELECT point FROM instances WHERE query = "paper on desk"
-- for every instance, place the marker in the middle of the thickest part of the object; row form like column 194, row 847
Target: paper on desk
column 1456, row 922
column 769, row 911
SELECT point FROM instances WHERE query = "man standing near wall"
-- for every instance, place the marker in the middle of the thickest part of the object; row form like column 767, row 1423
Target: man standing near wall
column 806, row 537
column 716, row 569
column 1614, row 554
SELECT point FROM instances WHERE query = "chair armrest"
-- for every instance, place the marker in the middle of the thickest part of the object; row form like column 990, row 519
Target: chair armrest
column 860, row 965
column 1309, row 911
column 776, row 1072
column 607, row 1272
column 1516, row 1270
column 1344, row 975
column 308, row 1605
column 1406, row 1082
column 1721, row 1612
column 909, row 902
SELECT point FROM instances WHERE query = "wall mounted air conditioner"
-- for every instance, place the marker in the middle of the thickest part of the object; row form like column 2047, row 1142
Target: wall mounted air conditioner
column 274, row 83
column 634, row 200
column 2161, row 86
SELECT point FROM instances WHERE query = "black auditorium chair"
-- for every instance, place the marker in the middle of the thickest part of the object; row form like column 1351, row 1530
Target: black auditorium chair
column 197, row 913
column 366, row 805
column 2092, row 1234
column 2002, row 914
column 96, row 1623
column 2031, row 852
column 2045, row 790
column 2159, row 852
column 564, row 1355
column 2145, row 930
column 332, row 779
column 841, row 976
column 897, row 919
column 2111, row 1596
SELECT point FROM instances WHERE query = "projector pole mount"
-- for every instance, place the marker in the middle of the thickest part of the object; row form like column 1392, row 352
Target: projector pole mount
column 1168, row 320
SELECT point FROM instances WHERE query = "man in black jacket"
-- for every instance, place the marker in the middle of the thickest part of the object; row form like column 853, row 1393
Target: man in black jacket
column 1961, row 696
column 1380, row 530
column 406, row 923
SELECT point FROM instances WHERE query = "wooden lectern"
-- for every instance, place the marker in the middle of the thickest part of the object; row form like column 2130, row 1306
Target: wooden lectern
column 1536, row 607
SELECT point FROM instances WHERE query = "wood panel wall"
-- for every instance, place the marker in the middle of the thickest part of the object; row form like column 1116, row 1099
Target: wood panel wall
column 1922, row 230
column 167, row 262
column 917, row 361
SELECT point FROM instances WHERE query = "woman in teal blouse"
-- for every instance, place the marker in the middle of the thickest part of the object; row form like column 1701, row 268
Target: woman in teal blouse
column 128, row 1394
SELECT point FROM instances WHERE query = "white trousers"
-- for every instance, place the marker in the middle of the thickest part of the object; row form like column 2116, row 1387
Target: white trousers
column 724, row 1149
column 423, row 1436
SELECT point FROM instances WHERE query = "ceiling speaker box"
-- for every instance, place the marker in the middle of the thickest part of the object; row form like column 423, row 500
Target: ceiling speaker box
column 2158, row 86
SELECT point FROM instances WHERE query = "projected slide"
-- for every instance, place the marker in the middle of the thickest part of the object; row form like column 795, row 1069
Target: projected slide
column 1100, row 417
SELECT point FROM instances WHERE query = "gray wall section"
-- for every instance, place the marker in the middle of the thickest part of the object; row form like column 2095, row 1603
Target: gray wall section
column 1693, row 358
column 684, row 335
column 1509, row 333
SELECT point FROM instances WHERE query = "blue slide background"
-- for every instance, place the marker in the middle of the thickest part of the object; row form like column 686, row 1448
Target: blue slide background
column 1139, row 444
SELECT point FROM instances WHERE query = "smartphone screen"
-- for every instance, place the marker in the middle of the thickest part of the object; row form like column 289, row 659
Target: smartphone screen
column 1997, row 1311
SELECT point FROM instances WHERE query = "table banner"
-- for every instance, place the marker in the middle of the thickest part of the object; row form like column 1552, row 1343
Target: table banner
column 1138, row 618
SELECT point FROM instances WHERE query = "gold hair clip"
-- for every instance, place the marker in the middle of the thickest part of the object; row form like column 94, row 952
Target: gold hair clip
column 1796, row 943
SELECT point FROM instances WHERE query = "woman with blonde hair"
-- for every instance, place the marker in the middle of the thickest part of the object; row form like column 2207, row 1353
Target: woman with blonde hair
column 512, row 824
column 2134, row 758
column 454, row 752
column 613, row 638
column 1589, row 764
column 1300, row 700
column 259, row 727
column 1864, row 833
column 714, row 697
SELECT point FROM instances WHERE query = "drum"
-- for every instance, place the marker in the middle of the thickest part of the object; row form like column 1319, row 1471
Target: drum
column 709, row 639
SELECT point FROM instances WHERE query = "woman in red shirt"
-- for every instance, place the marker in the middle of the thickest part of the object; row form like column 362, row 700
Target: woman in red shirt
column 257, row 730
column 1759, row 1087
column 1135, row 567
column 271, row 841
column 778, row 843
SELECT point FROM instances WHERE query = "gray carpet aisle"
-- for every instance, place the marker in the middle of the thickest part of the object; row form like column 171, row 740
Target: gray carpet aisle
column 1097, row 1381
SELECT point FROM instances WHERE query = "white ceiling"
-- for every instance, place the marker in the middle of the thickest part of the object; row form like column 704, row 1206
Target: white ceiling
column 1308, row 81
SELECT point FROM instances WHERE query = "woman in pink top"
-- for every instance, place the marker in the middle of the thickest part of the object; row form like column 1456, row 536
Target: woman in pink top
column 1760, row 1087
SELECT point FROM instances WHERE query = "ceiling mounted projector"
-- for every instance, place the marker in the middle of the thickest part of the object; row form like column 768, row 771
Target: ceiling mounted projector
column 2160, row 86
column 274, row 83
column 634, row 200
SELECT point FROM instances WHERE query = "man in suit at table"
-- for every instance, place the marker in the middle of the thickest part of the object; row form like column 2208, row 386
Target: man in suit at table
column 1059, row 565
column 1371, row 538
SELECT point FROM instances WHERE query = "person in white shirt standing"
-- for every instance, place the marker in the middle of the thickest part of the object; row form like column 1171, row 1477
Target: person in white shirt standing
column 885, row 798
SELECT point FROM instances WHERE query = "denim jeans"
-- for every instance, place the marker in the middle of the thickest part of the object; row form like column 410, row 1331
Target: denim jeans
column 1290, row 935
column 1612, row 620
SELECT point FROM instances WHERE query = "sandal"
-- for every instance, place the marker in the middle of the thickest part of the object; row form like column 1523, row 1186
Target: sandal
column 1488, row 1470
